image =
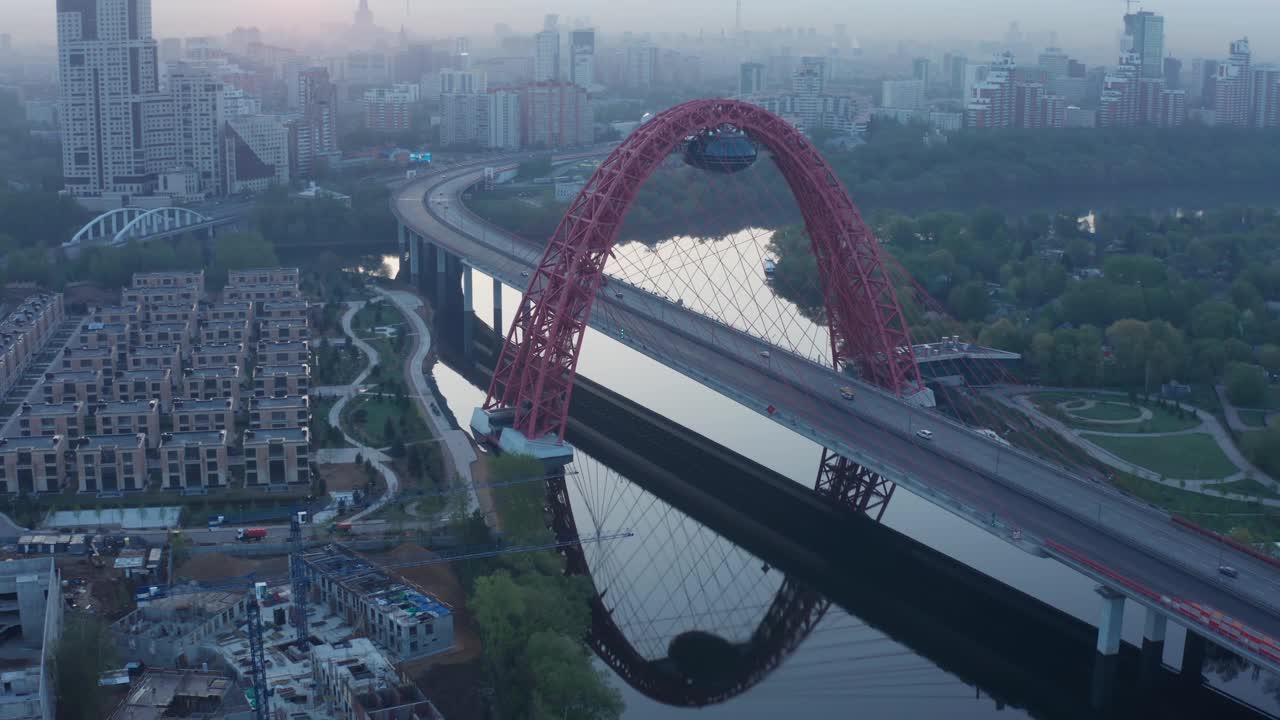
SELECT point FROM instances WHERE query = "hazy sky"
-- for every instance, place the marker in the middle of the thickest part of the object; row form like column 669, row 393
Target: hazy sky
column 1193, row 27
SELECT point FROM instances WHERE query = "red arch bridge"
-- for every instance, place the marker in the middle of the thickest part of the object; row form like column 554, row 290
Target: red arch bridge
column 872, row 446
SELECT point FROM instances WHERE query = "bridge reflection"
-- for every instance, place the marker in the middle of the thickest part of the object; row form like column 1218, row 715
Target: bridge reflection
column 721, row 586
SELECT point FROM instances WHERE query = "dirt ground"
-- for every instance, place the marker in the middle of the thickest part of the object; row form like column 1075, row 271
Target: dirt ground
column 105, row 592
column 343, row 477
column 216, row 565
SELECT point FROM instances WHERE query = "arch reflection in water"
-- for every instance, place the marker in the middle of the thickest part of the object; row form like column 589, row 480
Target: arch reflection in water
column 690, row 619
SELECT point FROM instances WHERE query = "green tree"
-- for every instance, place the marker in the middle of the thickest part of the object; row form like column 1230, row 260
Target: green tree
column 566, row 685
column 84, row 651
column 1246, row 384
column 969, row 301
column 1269, row 357
column 234, row 251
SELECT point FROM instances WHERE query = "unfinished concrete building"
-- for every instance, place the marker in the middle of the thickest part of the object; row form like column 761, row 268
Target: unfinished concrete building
column 29, row 629
column 403, row 619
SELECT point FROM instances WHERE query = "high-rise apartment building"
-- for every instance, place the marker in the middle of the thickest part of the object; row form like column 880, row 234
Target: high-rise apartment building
column 503, row 119
column 318, row 101
column 1119, row 103
column 582, row 58
column 921, row 70
column 464, row 103
column 546, row 55
column 1054, row 62
column 555, row 114
column 389, row 108
column 953, row 71
column 117, row 127
column 750, row 79
column 1231, row 87
column 198, row 116
column 257, row 151
column 902, row 94
column 1003, row 100
column 1264, row 96
column 641, row 66
column 1173, row 73
column 1144, row 36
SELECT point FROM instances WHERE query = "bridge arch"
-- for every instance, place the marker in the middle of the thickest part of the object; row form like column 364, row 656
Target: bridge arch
column 536, row 369
column 158, row 220
column 108, row 223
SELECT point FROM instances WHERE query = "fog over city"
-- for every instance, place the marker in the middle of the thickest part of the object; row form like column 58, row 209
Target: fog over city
column 1194, row 27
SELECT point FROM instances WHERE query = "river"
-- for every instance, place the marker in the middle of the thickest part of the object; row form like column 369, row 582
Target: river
column 817, row 681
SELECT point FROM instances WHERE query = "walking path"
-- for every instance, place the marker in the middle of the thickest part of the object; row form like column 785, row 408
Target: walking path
column 459, row 454
column 1233, row 413
column 381, row 461
column 1018, row 398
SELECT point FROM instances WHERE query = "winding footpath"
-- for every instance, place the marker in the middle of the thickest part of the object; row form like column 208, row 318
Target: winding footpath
column 380, row 460
column 459, row 454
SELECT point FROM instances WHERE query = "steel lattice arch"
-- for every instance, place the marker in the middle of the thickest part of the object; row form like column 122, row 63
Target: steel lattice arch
column 535, row 371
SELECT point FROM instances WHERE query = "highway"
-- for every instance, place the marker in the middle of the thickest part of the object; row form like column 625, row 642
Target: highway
column 1003, row 490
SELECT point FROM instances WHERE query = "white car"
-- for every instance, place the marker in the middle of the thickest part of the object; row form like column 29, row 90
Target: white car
column 924, row 434
column 764, row 354
column 524, row 273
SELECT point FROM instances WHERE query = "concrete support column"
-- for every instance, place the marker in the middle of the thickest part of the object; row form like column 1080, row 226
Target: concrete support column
column 468, row 312
column 1153, row 633
column 1111, row 621
column 1193, row 652
column 415, row 254
column 442, row 266
column 497, row 308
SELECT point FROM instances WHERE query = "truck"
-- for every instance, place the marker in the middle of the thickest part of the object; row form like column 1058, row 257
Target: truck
column 217, row 520
column 144, row 595
column 251, row 534
column 342, row 527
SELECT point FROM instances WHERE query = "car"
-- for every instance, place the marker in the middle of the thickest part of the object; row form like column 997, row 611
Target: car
column 524, row 273
column 924, row 434
column 764, row 354
column 1228, row 571
column 618, row 295
column 847, row 392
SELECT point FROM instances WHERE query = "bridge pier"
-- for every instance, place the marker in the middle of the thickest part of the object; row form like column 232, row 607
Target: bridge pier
column 1153, row 633
column 497, row 308
column 442, row 266
column 1193, row 653
column 1111, row 621
column 468, row 313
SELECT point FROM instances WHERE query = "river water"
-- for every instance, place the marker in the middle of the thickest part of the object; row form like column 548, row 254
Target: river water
column 815, row 682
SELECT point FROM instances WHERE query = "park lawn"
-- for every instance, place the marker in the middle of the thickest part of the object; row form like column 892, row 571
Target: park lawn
column 1253, row 418
column 374, row 314
column 1162, row 421
column 378, row 411
column 338, row 365
column 1247, row 486
column 1215, row 513
column 1109, row 410
column 1178, row 457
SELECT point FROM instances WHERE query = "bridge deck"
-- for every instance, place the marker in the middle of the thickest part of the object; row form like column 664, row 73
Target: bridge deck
column 998, row 488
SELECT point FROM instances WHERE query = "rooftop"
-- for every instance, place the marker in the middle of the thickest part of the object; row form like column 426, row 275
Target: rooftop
column 115, row 309
column 400, row 602
column 175, row 694
column 230, row 305
column 171, row 325
column 185, row 439
column 97, row 442
column 208, row 373
column 218, row 347
column 120, row 407
column 155, row 351
column 185, row 306
column 220, row 324
column 144, row 374
column 282, row 370
column 284, row 344
column 50, row 409
column 32, row 444
column 73, row 375
column 954, row 348
column 169, row 273
column 275, row 403
column 284, row 304
column 284, row 322
column 277, row 269
column 95, row 326
column 213, row 404
column 89, row 352
column 264, row 286
column 262, row 437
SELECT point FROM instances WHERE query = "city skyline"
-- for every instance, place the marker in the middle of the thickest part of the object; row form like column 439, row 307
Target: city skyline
column 1193, row 27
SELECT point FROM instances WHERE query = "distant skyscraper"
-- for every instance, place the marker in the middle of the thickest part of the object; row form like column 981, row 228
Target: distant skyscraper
column 117, row 128
column 464, row 107
column 750, row 78
column 1173, row 73
column 1231, row 87
column 920, row 70
column 642, row 66
column 318, row 101
column 902, row 94
column 546, row 56
column 502, row 120
column 1144, row 34
column 198, row 103
column 582, row 58
column 555, row 114
column 1264, row 96
column 364, row 16
column 1054, row 62
column 953, row 71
